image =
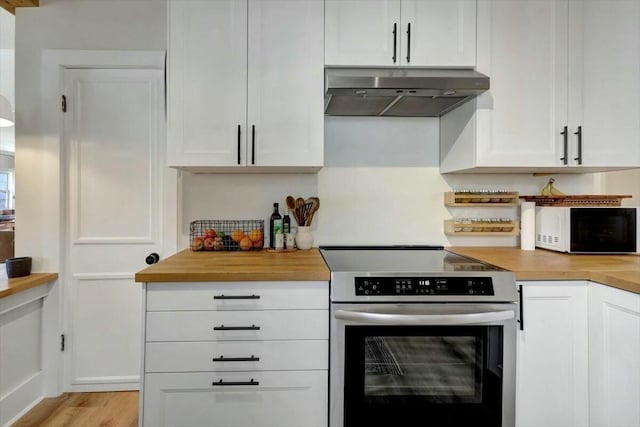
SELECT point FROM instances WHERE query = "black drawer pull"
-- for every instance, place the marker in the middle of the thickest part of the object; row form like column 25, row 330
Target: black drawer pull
column 236, row 359
column 225, row 383
column 236, row 296
column 236, row 328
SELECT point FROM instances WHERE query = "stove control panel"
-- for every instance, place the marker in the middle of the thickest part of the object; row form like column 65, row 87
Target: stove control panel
column 424, row 286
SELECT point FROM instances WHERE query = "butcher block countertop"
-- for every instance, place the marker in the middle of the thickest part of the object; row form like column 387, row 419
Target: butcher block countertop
column 19, row 284
column 619, row 271
column 189, row 266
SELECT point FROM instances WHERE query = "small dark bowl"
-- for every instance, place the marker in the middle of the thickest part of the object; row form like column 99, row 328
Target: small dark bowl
column 18, row 267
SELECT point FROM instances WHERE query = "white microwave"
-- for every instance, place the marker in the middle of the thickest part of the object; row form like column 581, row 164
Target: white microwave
column 589, row 230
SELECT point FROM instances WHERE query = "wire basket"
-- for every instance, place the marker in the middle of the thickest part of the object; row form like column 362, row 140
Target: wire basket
column 226, row 235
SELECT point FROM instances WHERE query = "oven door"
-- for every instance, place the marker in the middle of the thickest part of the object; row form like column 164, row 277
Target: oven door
column 427, row 365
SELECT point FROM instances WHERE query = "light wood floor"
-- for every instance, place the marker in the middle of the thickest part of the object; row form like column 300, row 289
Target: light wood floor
column 110, row 409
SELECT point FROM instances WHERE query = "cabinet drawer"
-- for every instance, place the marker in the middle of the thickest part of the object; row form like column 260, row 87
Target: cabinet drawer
column 238, row 296
column 236, row 356
column 237, row 325
column 282, row 399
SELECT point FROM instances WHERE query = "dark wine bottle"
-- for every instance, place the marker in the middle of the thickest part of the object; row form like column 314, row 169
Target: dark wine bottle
column 275, row 226
column 286, row 221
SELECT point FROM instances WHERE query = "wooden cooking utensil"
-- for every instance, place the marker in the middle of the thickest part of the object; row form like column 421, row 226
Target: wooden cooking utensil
column 300, row 211
column 314, row 203
column 291, row 203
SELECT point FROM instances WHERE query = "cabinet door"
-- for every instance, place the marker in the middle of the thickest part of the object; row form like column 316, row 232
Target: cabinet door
column 362, row 33
column 604, row 76
column 280, row 398
column 522, row 47
column 286, row 83
column 614, row 357
column 207, row 72
column 552, row 367
column 439, row 33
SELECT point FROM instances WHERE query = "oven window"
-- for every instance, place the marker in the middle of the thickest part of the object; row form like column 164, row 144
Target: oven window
column 394, row 375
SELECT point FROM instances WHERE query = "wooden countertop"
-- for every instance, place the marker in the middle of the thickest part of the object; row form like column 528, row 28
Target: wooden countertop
column 189, row 266
column 619, row 271
column 19, row 284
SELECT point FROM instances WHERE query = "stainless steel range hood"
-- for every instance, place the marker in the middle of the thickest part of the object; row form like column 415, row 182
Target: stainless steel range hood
column 399, row 92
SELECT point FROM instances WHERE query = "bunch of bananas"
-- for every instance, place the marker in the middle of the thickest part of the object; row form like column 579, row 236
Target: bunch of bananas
column 550, row 190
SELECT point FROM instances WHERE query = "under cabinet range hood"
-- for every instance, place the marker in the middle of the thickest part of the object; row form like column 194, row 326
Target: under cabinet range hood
column 399, row 92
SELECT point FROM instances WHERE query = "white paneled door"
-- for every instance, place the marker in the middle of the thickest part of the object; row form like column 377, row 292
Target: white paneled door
column 113, row 147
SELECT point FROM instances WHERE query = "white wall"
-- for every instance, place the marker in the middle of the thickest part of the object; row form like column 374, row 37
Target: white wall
column 381, row 185
column 624, row 182
column 63, row 24
column 239, row 196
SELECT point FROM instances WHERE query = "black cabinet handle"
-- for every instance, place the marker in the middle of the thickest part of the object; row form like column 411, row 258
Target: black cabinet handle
column 152, row 258
column 236, row 328
column 236, row 296
column 520, row 295
column 395, row 41
column 253, row 144
column 236, row 359
column 565, row 145
column 579, row 133
column 239, row 140
column 231, row 383
column 408, row 42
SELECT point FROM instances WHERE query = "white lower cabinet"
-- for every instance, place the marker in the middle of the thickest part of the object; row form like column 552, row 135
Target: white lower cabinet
column 236, row 355
column 553, row 363
column 278, row 399
column 614, row 350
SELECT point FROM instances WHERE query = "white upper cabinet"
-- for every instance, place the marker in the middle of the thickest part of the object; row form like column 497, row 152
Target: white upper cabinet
column 604, row 82
column 245, row 84
column 286, row 83
column 521, row 47
column 565, row 89
column 438, row 33
column 434, row 33
column 207, row 82
column 362, row 32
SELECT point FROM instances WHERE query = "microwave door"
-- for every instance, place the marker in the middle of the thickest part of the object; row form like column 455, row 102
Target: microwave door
column 603, row 230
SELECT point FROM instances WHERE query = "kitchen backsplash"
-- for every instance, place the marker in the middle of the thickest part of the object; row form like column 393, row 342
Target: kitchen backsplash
column 381, row 185
column 624, row 182
column 238, row 196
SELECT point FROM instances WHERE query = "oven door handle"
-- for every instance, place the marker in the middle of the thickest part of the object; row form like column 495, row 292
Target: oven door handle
column 425, row 319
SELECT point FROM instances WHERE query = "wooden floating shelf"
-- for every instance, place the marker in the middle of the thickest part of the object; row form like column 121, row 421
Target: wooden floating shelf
column 498, row 199
column 578, row 200
column 453, row 228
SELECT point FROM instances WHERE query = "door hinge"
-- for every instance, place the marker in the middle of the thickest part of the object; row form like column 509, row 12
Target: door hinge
column 62, row 342
column 64, row 104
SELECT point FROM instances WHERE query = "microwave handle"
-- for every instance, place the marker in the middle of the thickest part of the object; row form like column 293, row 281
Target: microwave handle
column 424, row 319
